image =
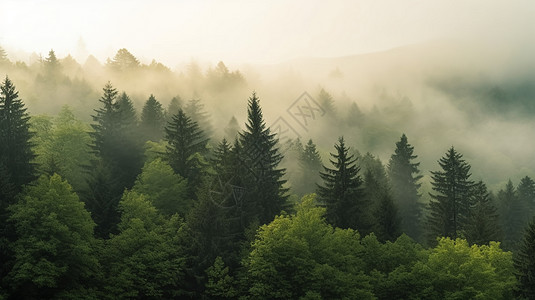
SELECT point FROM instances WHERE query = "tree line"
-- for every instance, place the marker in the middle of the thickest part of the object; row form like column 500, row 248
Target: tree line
column 153, row 208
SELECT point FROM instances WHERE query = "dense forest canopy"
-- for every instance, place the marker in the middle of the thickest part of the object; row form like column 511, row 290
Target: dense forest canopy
column 377, row 176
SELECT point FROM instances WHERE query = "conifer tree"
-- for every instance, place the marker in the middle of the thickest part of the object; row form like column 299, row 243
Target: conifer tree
column 483, row 225
column 186, row 145
column 450, row 204
column 16, row 151
column 173, row 107
column 195, row 110
column 524, row 262
column 512, row 211
column 327, row 103
column 232, row 129
column 129, row 154
column 404, row 176
column 260, row 157
column 152, row 120
column 341, row 192
column 309, row 166
column 4, row 61
column 526, row 195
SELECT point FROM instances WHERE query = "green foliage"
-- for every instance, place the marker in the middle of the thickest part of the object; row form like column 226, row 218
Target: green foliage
column 55, row 248
column 524, row 263
column 145, row 259
column 450, row 206
column 454, row 270
column 220, row 284
column 185, row 139
column 62, row 146
column 512, row 211
column 404, row 176
column 341, row 192
column 16, row 151
column 258, row 160
column 166, row 190
column 152, row 120
column 310, row 166
column 302, row 256
column 483, row 225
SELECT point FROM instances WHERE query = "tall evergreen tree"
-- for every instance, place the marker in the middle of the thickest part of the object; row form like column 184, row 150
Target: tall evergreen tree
column 524, row 262
column 260, row 157
column 152, row 120
column 341, row 192
column 310, row 166
column 327, row 103
column 483, row 225
column 232, row 129
column 4, row 61
column 186, row 145
column 119, row 155
column 450, row 205
column 512, row 211
column 526, row 195
column 173, row 107
column 15, row 147
column 404, row 176
column 195, row 110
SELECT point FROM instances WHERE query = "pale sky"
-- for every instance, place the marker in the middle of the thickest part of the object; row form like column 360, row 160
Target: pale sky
column 254, row 31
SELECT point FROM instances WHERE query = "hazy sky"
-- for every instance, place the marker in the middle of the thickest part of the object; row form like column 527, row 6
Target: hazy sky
column 253, row 31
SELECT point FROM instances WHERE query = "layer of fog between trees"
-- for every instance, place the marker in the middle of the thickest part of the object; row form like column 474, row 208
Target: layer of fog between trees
column 440, row 94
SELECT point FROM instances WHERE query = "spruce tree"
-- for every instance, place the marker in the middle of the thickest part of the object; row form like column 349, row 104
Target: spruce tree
column 4, row 61
column 327, row 103
column 512, row 211
column 129, row 154
column 173, row 107
column 260, row 157
column 195, row 110
column 232, row 129
column 524, row 262
column 309, row 167
column 186, row 145
column 152, row 120
column 526, row 195
column 450, row 204
column 341, row 192
column 404, row 175
column 15, row 147
column 483, row 225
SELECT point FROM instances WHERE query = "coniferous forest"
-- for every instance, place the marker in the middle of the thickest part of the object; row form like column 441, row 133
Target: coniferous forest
column 399, row 174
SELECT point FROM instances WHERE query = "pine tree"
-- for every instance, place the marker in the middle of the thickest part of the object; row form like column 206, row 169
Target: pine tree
column 129, row 153
column 524, row 262
column 327, row 103
column 120, row 156
column 265, row 196
column 123, row 61
column 526, row 195
column 52, row 66
column 512, row 211
column 341, row 192
column 232, row 129
column 16, row 151
column 4, row 61
column 404, row 176
column 173, row 107
column 483, row 225
column 309, row 167
column 450, row 205
column 195, row 110
column 152, row 120
column 186, row 145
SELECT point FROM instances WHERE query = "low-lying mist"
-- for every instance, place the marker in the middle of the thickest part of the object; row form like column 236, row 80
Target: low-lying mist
column 440, row 94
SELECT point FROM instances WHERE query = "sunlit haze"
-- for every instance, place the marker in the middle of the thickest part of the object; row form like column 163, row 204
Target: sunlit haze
column 251, row 31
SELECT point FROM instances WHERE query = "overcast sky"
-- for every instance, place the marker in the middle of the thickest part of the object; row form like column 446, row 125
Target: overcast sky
column 251, row 31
